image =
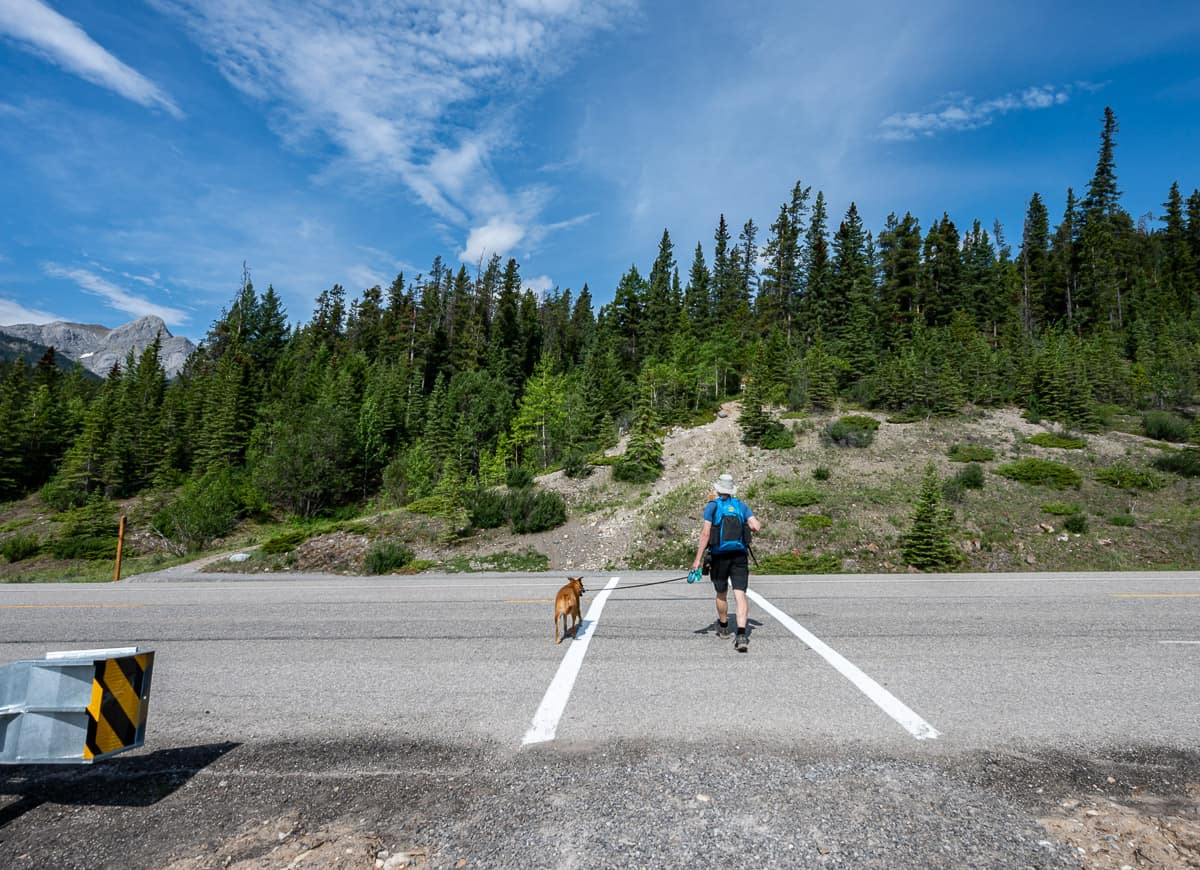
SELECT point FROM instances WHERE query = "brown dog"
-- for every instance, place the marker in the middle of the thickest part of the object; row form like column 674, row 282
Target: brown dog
column 566, row 603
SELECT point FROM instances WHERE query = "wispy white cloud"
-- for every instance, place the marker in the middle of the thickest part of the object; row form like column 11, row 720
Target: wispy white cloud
column 118, row 297
column 12, row 312
column 40, row 29
column 966, row 113
column 541, row 285
column 422, row 91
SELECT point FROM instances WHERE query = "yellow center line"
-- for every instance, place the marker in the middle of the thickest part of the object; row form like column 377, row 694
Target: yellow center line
column 1154, row 595
column 42, row 606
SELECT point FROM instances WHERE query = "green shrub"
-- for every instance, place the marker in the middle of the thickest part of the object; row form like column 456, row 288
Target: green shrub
column 489, row 509
column 1165, row 426
column 820, row 473
column 20, row 547
column 1185, row 463
column 798, row 563
column 970, row 477
column 970, row 453
column 1122, row 520
column 953, row 490
column 1076, row 523
column 384, row 557
column 632, row 471
column 1059, row 442
column 431, row 505
column 814, row 522
column 89, row 532
column 853, row 430
column 1041, row 472
column 536, row 510
column 1127, row 477
column 793, row 496
column 285, row 541
column 576, row 465
column 777, row 438
column 518, row 477
column 61, row 495
column 1061, row 508
column 203, row 510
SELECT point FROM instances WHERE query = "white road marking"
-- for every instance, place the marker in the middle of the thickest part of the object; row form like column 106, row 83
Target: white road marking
column 1180, row 641
column 545, row 720
column 885, row 700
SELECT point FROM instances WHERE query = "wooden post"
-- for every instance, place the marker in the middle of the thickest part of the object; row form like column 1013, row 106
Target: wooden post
column 120, row 542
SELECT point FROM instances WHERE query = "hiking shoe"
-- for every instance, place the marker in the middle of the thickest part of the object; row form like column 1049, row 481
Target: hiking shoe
column 741, row 643
column 722, row 630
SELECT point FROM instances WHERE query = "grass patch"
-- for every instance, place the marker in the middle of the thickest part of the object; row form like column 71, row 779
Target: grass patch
column 798, row 563
column 1056, row 441
column 1165, row 426
column 526, row 560
column 1041, row 472
column 39, row 571
column 1061, row 508
column 814, row 522
column 1185, row 463
column 1122, row 520
column 1127, row 477
column 285, row 541
column 793, row 496
column 385, row 557
column 20, row 547
column 821, row 473
column 970, row 453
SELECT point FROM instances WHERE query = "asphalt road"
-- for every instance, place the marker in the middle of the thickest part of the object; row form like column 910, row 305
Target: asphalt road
column 923, row 692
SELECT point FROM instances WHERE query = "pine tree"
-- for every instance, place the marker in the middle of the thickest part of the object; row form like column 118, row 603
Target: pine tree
column 817, row 306
column 697, row 298
column 1179, row 269
column 660, row 307
column 538, row 424
column 900, row 264
column 505, row 350
column 642, row 460
column 1100, row 296
column 628, row 320
column 1062, row 292
column 928, row 545
column 1034, row 263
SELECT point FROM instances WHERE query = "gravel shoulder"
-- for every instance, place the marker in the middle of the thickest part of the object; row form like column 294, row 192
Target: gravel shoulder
column 363, row 804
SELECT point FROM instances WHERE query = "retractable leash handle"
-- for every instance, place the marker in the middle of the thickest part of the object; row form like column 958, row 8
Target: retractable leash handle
column 694, row 575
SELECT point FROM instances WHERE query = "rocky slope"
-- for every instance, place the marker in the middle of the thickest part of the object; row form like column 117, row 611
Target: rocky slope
column 97, row 348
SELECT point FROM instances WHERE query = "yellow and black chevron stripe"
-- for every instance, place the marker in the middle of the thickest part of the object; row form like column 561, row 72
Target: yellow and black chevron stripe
column 117, row 712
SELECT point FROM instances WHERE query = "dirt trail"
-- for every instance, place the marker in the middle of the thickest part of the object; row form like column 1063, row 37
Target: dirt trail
column 691, row 457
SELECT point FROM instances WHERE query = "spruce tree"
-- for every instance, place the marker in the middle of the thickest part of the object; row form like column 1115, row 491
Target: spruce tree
column 927, row 544
column 1034, row 263
column 642, row 460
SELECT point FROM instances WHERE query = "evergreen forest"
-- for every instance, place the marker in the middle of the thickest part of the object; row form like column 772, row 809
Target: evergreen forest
column 451, row 381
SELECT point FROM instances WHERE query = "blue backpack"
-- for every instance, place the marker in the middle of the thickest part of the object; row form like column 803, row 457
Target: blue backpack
column 730, row 532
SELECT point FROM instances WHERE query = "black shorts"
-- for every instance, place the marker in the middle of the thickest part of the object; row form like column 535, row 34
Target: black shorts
column 734, row 567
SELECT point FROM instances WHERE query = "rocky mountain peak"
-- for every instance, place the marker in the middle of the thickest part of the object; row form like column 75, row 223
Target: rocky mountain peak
column 97, row 348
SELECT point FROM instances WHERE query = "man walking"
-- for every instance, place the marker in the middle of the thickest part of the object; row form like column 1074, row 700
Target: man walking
column 728, row 523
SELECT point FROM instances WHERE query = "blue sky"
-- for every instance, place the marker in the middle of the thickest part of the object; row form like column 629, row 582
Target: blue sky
column 150, row 147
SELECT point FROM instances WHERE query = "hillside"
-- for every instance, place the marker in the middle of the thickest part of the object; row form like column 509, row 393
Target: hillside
column 868, row 498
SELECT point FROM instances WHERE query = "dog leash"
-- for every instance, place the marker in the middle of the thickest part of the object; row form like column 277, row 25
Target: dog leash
column 654, row 583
